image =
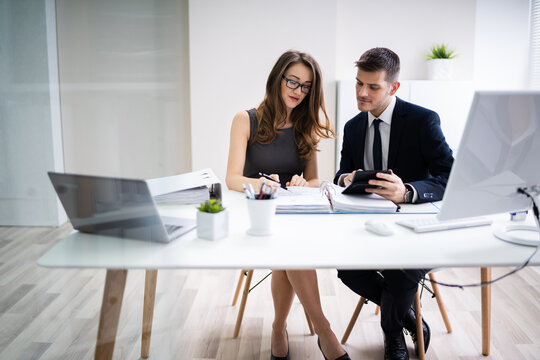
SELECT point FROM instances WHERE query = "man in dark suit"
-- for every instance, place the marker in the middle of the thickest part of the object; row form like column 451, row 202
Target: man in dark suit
column 407, row 139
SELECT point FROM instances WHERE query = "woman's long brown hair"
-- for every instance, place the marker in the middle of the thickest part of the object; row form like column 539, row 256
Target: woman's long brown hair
column 308, row 127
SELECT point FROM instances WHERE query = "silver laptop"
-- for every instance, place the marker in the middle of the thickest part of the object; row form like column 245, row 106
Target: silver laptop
column 115, row 207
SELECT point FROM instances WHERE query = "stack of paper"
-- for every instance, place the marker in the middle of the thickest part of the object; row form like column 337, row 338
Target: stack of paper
column 188, row 188
column 365, row 203
column 302, row 199
column 195, row 195
column 362, row 203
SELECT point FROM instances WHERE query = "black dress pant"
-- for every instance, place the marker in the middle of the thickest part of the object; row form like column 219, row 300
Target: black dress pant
column 392, row 290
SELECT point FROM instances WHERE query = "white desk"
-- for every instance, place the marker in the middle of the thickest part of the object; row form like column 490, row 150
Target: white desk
column 312, row 241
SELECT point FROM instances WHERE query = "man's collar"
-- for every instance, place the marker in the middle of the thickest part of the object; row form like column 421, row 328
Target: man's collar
column 386, row 115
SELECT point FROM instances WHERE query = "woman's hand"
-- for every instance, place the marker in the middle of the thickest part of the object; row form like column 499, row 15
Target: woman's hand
column 263, row 180
column 297, row 181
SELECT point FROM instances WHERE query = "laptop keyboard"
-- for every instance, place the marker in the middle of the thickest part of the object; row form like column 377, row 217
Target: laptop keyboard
column 434, row 224
column 172, row 229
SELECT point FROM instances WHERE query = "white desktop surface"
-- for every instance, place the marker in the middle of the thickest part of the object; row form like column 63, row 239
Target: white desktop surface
column 299, row 241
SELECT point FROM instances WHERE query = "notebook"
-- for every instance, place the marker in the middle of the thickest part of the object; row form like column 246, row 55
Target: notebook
column 115, row 207
column 329, row 198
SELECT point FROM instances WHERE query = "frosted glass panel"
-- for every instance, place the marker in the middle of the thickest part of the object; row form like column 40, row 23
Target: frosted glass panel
column 27, row 122
column 124, row 87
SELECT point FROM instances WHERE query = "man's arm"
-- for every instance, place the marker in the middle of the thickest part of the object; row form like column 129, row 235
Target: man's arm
column 438, row 157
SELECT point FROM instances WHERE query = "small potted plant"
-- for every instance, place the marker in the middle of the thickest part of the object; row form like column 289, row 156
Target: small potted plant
column 440, row 62
column 212, row 220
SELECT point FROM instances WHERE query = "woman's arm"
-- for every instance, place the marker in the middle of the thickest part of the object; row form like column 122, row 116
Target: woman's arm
column 237, row 155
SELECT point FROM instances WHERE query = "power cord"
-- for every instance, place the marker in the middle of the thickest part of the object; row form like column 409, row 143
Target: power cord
column 536, row 190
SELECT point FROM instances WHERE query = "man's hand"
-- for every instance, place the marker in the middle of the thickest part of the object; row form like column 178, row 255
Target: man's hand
column 392, row 187
column 349, row 178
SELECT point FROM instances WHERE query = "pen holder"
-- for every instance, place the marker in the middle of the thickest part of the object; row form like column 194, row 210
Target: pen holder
column 261, row 216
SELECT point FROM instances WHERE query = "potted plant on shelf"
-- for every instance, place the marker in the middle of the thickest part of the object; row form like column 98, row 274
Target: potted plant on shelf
column 212, row 220
column 440, row 62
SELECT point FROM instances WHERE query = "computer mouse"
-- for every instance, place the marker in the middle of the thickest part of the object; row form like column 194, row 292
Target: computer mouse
column 379, row 227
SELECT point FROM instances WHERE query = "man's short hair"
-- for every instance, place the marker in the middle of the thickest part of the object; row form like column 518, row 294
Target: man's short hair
column 378, row 59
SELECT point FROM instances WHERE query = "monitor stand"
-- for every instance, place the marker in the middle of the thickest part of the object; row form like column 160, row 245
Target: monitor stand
column 521, row 234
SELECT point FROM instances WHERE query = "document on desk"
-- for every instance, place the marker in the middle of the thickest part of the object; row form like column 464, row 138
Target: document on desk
column 185, row 188
column 302, row 199
column 364, row 203
column 327, row 199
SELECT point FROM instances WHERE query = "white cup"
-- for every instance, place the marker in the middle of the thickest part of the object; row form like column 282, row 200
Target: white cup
column 261, row 216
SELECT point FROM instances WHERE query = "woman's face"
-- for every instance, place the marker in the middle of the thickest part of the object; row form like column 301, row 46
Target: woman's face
column 299, row 76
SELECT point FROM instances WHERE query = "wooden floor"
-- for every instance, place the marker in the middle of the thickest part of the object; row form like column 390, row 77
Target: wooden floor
column 53, row 313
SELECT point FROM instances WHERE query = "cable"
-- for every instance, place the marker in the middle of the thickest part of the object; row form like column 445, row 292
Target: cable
column 525, row 191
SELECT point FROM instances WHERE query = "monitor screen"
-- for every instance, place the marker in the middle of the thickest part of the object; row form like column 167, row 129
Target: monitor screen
column 498, row 153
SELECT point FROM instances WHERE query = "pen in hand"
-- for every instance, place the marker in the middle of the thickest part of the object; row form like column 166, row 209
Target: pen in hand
column 266, row 176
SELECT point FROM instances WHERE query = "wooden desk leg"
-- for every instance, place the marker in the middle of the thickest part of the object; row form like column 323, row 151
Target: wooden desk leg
column 115, row 283
column 243, row 303
column 238, row 286
column 485, row 275
column 148, row 311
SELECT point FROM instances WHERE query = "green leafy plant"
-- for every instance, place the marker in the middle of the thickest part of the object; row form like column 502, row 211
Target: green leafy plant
column 211, row 206
column 441, row 51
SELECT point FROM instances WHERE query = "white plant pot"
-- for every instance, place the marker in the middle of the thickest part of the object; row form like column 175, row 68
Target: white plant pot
column 212, row 226
column 440, row 69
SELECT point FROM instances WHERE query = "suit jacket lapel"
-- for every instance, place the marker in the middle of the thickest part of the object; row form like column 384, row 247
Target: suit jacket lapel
column 396, row 130
column 361, row 140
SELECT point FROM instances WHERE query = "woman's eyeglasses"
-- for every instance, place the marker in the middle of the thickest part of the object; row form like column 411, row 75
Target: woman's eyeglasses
column 291, row 84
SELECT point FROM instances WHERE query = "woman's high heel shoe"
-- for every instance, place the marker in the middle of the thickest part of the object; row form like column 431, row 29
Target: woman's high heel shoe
column 342, row 357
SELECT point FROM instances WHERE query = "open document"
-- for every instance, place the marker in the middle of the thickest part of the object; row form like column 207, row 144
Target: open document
column 328, row 198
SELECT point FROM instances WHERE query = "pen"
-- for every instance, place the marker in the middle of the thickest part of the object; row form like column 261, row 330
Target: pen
column 251, row 191
column 266, row 176
column 261, row 191
column 248, row 195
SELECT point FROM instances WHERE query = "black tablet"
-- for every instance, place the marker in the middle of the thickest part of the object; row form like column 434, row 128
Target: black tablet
column 360, row 181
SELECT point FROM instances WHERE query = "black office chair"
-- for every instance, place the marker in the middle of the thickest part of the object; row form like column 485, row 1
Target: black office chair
column 417, row 308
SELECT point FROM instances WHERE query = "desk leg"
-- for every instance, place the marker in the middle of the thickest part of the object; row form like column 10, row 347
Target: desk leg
column 115, row 283
column 485, row 275
column 148, row 311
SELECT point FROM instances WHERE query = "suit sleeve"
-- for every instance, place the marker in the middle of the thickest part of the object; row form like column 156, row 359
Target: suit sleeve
column 346, row 164
column 438, row 158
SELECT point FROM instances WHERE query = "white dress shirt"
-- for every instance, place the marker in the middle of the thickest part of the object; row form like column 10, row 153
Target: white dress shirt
column 384, row 129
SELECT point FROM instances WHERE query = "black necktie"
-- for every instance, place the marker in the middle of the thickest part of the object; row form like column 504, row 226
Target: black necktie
column 377, row 148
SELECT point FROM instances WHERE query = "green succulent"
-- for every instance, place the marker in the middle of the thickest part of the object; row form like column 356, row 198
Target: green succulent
column 211, row 206
column 440, row 51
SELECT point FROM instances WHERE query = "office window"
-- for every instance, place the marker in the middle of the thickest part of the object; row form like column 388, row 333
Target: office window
column 535, row 44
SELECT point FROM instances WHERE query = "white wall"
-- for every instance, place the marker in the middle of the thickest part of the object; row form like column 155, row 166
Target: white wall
column 233, row 46
column 125, row 87
column 409, row 28
column 502, row 44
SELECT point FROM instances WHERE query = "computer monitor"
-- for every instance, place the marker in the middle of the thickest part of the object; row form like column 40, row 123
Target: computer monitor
column 499, row 153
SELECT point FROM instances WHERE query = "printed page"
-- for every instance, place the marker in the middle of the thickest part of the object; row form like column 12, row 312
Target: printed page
column 302, row 199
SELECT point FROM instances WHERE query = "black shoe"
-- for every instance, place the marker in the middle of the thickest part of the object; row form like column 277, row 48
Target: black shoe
column 395, row 347
column 342, row 357
column 410, row 324
column 272, row 357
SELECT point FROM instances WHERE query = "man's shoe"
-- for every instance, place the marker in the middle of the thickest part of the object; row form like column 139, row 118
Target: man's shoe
column 410, row 324
column 395, row 347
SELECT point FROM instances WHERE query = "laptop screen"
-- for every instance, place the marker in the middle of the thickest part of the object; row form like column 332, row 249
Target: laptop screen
column 109, row 206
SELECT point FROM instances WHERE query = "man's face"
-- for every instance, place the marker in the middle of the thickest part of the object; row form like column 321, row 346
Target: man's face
column 373, row 92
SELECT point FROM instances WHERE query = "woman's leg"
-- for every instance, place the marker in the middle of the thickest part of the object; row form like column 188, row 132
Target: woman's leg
column 283, row 296
column 304, row 283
